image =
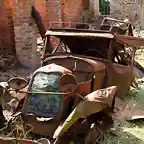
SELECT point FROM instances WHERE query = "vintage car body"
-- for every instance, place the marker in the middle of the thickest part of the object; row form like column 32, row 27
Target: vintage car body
column 86, row 84
column 113, row 74
column 99, row 46
column 54, row 94
column 40, row 104
column 65, row 120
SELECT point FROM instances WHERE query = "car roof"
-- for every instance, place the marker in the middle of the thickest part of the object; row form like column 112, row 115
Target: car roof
column 79, row 33
column 52, row 68
column 123, row 39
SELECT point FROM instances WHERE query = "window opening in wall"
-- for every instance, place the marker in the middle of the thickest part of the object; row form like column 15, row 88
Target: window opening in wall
column 104, row 7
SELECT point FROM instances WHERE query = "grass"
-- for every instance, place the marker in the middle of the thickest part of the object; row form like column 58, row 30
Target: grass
column 18, row 129
column 128, row 132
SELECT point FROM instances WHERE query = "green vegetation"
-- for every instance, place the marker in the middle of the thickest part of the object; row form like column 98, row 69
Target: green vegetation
column 126, row 133
column 104, row 7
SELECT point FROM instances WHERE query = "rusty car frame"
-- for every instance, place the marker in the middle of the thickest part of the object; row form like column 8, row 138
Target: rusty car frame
column 115, row 51
column 117, row 26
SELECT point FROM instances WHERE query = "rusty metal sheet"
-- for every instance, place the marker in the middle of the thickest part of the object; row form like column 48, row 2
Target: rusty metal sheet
column 94, row 103
column 132, row 112
column 52, row 68
column 120, row 76
column 17, row 83
column 130, row 40
column 128, row 110
column 79, row 34
column 84, row 88
column 14, row 141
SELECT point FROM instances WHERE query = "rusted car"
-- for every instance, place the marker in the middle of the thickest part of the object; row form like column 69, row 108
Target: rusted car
column 115, row 53
column 77, row 87
column 57, row 105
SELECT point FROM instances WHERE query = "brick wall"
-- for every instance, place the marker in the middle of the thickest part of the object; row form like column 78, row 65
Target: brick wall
column 41, row 7
column 50, row 10
column 72, row 10
column 24, row 31
column 7, row 43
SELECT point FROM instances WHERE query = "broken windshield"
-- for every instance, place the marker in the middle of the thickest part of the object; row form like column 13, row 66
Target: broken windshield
column 45, row 82
column 45, row 105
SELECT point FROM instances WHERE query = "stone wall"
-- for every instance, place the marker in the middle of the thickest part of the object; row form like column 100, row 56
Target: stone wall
column 122, row 8
column 92, row 10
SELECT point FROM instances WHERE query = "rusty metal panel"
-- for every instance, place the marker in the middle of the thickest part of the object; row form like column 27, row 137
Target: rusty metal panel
column 130, row 40
column 79, row 34
column 120, row 76
column 15, row 141
column 52, row 68
column 77, row 66
column 94, row 103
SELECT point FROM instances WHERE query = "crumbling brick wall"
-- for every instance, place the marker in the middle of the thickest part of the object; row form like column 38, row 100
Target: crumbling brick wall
column 63, row 11
column 72, row 10
column 7, row 43
column 20, row 28
column 24, row 29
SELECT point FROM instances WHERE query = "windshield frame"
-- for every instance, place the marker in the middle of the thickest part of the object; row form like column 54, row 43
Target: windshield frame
column 37, row 113
column 32, row 79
